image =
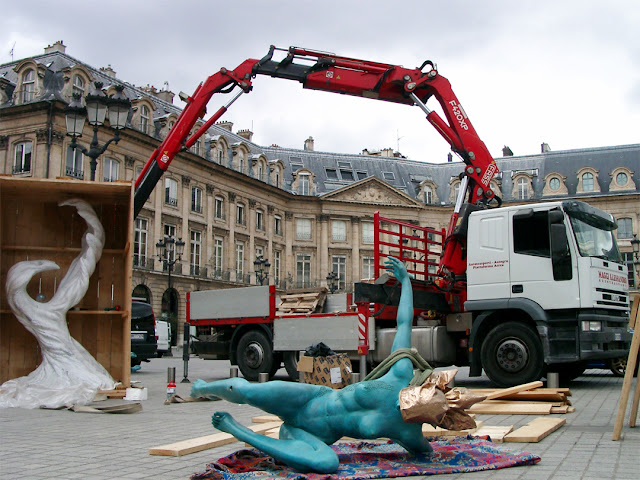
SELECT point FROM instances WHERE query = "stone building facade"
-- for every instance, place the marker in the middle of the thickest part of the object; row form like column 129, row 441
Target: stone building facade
column 230, row 200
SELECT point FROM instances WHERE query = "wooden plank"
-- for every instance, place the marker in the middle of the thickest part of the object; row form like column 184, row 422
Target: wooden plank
column 199, row 444
column 562, row 390
column 495, row 432
column 431, row 431
column 266, row 419
column 518, row 388
column 535, row 430
column 515, row 408
column 632, row 361
column 560, row 409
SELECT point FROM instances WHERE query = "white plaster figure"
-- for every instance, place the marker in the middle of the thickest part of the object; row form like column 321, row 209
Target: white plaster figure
column 68, row 374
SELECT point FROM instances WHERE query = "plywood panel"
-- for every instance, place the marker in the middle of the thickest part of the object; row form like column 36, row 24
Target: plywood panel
column 34, row 226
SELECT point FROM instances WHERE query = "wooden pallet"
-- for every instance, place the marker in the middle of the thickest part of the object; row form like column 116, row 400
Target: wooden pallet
column 300, row 303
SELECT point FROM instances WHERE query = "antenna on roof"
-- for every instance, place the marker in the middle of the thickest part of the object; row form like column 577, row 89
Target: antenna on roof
column 11, row 51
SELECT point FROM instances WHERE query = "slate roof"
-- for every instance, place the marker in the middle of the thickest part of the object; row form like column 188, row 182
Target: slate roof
column 331, row 169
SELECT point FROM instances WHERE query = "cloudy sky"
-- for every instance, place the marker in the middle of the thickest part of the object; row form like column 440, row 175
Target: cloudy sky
column 562, row 72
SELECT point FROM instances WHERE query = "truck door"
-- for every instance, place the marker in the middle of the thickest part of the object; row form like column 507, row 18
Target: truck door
column 533, row 275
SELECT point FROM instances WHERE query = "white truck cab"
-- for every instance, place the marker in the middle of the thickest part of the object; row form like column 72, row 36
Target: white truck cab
column 551, row 268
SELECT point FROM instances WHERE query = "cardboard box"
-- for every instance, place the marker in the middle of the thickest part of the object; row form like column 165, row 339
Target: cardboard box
column 333, row 371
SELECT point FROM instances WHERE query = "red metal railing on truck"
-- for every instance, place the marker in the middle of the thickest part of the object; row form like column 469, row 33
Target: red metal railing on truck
column 418, row 247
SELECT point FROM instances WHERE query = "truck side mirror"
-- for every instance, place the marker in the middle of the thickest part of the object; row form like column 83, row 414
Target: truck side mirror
column 560, row 253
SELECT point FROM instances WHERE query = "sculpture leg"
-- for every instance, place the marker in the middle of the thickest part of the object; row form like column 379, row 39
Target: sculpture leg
column 295, row 447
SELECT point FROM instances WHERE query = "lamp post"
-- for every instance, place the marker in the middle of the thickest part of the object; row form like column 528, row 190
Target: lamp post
column 169, row 252
column 332, row 282
column 261, row 266
column 95, row 112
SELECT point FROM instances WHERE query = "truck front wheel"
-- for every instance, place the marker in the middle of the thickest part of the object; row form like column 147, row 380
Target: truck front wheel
column 291, row 364
column 254, row 355
column 512, row 354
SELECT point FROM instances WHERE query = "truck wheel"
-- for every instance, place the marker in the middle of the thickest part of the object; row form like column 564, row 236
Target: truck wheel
column 291, row 364
column 618, row 366
column 255, row 355
column 512, row 354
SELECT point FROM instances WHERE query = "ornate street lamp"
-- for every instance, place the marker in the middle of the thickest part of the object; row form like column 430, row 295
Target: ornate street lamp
column 169, row 252
column 332, row 282
column 95, row 112
column 261, row 266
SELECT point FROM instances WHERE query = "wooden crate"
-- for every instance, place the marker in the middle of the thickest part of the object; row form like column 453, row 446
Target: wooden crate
column 32, row 227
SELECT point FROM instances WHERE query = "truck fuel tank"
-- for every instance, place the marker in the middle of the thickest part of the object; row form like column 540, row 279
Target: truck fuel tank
column 435, row 344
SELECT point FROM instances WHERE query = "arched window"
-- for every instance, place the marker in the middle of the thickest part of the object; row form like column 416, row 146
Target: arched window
column 554, row 184
column 587, row 182
column 303, row 183
column 28, row 85
column 144, row 119
column 78, row 85
column 523, row 188
column 428, row 195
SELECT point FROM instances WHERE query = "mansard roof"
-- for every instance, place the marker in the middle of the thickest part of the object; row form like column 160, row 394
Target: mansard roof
column 335, row 171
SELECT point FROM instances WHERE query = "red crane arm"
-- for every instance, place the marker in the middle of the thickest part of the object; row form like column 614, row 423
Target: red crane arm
column 328, row 72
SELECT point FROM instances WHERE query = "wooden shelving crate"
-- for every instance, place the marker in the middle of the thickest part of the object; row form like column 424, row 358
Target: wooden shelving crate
column 34, row 227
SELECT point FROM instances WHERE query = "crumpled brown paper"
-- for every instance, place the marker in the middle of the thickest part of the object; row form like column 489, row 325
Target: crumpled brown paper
column 435, row 403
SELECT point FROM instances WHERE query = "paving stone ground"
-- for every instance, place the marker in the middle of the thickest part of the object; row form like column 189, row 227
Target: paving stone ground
column 53, row 445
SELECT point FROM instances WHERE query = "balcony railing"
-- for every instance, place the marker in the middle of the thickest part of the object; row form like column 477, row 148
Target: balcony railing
column 72, row 172
column 143, row 262
column 21, row 169
column 198, row 271
column 171, row 201
column 219, row 274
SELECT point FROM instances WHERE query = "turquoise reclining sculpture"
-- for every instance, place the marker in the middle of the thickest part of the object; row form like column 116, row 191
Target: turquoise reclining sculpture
column 315, row 417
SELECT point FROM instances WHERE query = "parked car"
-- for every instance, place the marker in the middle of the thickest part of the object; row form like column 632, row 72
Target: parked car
column 163, row 335
column 144, row 343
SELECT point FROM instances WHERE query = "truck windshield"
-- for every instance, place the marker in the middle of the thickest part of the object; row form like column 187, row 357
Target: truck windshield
column 593, row 230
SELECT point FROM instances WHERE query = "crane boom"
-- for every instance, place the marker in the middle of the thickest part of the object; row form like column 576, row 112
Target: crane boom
column 331, row 73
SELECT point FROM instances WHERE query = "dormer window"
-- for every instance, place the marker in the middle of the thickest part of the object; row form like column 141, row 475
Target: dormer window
column 28, row 85
column 144, row 119
column 78, row 85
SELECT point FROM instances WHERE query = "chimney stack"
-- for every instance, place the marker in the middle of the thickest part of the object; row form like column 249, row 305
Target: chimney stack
column 56, row 47
column 308, row 144
column 246, row 134
column 506, row 152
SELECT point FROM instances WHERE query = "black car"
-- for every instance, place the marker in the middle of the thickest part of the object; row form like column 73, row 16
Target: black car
column 144, row 343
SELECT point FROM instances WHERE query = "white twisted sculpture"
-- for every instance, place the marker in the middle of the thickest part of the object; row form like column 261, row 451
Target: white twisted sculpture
column 68, row 374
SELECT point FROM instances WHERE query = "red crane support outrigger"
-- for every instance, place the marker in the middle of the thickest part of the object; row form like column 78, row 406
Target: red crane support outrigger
column 379, row 81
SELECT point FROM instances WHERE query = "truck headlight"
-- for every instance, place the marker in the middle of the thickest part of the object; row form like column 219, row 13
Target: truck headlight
column 591, row 326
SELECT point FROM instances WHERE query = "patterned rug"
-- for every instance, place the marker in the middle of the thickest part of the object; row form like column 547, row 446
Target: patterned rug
column 366, row 460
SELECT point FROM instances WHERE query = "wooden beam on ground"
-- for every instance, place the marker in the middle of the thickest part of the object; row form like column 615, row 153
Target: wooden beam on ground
column 431, row 431
column 518, row 388
column 193, row 445
column 535, row 430
column 496, row 433
column 515, row 408
column 266, row 419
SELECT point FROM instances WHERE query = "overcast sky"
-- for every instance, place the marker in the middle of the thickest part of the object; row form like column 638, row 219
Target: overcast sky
column 562, row 72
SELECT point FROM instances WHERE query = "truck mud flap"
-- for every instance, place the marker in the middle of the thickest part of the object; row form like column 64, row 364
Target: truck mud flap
column 384, row 294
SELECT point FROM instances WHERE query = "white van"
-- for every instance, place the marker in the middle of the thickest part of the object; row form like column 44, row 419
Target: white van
column 163, row 334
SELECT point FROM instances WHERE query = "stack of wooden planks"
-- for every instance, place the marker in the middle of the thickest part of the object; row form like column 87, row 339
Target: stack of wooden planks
column 302, row 302
column 525, row 399
column 120, row 391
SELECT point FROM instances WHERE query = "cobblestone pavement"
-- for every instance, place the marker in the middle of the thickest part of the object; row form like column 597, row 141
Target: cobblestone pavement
column 61, row 444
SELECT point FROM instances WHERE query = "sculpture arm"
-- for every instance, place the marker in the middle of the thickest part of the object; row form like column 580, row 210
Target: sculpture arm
column 404, row 316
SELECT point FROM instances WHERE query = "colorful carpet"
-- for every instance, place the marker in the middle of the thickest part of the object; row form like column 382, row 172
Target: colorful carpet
column 366, row 460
